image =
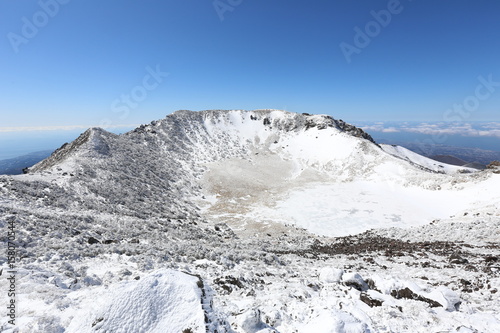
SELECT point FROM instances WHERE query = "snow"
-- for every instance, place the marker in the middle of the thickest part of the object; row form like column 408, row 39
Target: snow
column 227, row 221
column 326, row 321
column 320, row 148
column 341, row 209
column 162, row 301
column 330, row 275
column 448, row 298
column 425, row 162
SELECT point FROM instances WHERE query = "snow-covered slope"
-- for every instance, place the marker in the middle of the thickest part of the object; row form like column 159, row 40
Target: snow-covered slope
column 423, row 161
column 260, row 163
column 243, row 200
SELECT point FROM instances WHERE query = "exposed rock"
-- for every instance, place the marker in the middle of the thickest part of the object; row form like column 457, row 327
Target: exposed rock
column 354, row 280
column 407, row 293
column 455, row 258
column 227, row 283
column 365, row 298
column 92, row 240
column 490, row 259
column 493, row 165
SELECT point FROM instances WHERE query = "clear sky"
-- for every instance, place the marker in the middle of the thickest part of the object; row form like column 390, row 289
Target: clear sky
column 87, row 63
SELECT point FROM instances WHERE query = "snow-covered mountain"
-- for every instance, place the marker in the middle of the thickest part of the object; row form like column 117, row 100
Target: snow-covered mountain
column 251, row 221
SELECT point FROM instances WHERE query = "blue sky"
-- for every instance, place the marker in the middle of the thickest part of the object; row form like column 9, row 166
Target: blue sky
column 110, row 63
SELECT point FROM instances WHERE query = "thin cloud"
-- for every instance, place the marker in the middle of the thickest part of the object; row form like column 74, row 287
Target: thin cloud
column 390, row 130
column 373, row 128
column 490, row 129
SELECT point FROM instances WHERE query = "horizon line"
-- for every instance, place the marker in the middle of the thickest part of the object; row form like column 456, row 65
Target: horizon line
column 60, row 128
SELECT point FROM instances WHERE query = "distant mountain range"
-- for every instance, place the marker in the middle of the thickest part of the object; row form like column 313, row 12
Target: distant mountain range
column 15, row 166
column 448, row 159
column 461, row 156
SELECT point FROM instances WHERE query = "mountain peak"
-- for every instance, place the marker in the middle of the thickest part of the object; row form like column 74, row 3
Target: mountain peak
column 92, row 142
column 280, row 119
column 183, row 127
column 252, row 206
